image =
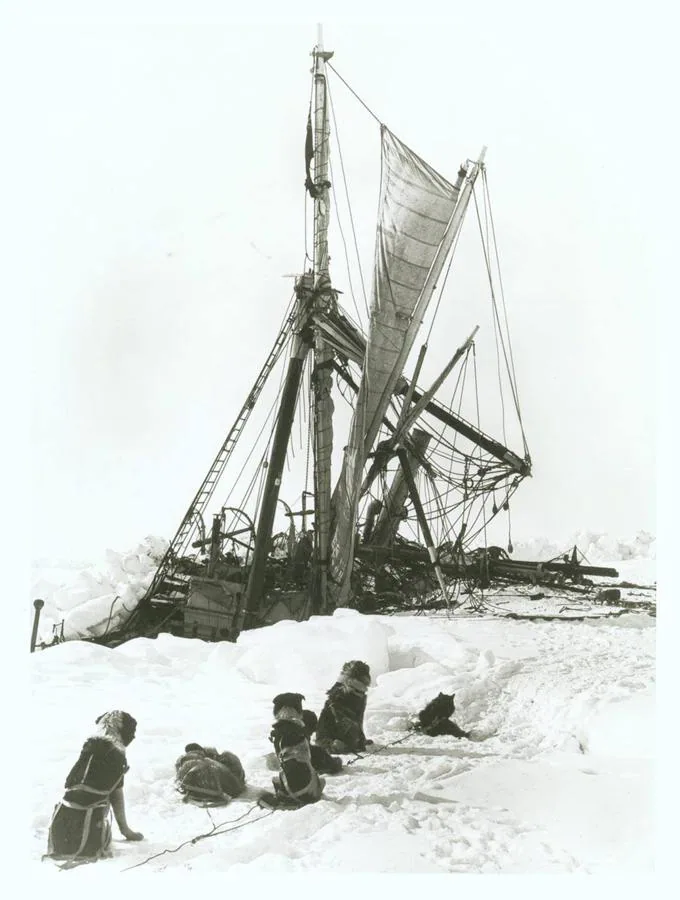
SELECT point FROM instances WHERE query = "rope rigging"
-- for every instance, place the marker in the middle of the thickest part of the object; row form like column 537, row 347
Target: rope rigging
column 455, row 478
column 352, row 91
column 336, row 132
column 502, row 291
column 503, row 339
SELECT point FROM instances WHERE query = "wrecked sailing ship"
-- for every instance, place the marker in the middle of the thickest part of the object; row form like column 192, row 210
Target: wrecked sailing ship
column 418, row 483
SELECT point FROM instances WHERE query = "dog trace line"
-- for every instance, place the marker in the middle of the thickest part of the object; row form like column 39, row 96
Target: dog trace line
column 214, row 832
column 378, row 750
column 200, row 837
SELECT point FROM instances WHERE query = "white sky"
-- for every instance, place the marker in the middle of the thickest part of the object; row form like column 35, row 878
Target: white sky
column 159, row 200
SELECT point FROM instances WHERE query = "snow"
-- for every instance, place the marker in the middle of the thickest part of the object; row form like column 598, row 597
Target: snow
column 597, row 548
column 557, row 778
column 89, row 600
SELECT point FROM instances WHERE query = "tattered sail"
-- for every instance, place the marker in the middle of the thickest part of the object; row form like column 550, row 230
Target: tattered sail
column 420, row 215
column 415, row 216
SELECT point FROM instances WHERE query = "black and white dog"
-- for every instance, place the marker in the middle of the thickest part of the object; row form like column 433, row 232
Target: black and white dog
column 323, row 762
column 297, row 782
column 80, row 828
column 341, row 723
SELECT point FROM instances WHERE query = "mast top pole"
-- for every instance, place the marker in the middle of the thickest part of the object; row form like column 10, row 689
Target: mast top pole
column 320, row 55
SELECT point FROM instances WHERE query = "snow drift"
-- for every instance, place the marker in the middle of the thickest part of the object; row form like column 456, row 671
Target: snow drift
column 557, row 777
column 98, row 598
column 596, row 547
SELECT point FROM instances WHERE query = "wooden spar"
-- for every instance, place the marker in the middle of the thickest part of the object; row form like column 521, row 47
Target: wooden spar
column 312, row 293
column 412, row 414
column 507, row 567
column 353, row 345
column 409, row 416
column 323, row 301
column 409, row 393
column 387, row 524
column 422, row 520
column 494, row 447
column 277, row 457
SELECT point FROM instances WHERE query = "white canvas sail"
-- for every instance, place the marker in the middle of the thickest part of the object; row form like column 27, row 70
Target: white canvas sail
column 415, row 216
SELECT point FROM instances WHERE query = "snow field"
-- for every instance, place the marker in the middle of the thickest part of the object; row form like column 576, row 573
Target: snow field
column 557, row 777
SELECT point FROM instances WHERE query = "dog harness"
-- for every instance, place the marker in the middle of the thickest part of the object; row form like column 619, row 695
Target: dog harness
column 101, row 799
column 297, row 753
column 218, row 797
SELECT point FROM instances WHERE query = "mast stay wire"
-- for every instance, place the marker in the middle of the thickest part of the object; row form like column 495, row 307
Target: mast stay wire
column 508, row 354
column 452, row 253
column 272, row 409
column 352, row 91
column 494, row 318
column 484, row 495
column 344, row 244
column 509, row 359
column 286, row 315
column 259, row 469
column 485, row 184
column 336, row 133
column 513, row 387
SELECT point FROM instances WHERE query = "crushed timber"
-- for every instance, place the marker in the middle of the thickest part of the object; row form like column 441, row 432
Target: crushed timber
column 350, row 556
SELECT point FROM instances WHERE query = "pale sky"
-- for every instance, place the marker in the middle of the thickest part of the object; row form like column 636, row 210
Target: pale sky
column 159, row 201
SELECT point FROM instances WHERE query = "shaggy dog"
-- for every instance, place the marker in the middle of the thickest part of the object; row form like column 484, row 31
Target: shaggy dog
column 297, row 782
column 323, row 762
column 434, row 719
column 341, row 723
column 209, row 778
column 81, row 823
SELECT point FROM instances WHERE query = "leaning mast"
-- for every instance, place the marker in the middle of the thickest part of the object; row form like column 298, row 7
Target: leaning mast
column 313, row 294
column 323, row 300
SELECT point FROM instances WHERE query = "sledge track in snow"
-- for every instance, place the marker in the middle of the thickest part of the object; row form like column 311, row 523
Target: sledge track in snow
column 533, row 700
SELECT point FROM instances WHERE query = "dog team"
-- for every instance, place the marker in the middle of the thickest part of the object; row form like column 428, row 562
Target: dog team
column 80, row 828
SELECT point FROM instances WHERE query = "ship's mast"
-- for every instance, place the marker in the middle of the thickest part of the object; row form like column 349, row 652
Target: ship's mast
column 313, row 293
column 323, row 299
column 322, row 133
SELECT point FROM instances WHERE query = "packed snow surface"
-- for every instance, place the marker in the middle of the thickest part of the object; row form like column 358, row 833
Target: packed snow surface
column 558, row 776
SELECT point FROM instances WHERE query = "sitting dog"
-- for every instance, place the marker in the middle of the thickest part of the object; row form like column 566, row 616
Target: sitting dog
column 323, row 762
column 80, row 828
column 297, row 782
column 209, row 778
column 341, row 723
column 434, row 719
